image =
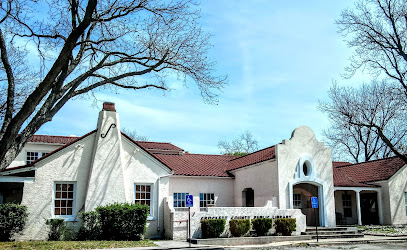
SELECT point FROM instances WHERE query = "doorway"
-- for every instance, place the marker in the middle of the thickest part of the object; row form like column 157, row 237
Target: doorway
column 302, row 194
column 248, row 197
column 369, row 208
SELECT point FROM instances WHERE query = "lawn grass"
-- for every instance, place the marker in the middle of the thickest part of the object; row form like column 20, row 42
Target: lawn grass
column 74, row 244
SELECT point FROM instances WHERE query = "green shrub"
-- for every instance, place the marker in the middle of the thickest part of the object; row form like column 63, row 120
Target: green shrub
column 90, row 228
column 285, row 226
column 239, row 227
column 212, row 228
column 262, row 225
column 123, row 221
column 57, row 229
column 12, row 220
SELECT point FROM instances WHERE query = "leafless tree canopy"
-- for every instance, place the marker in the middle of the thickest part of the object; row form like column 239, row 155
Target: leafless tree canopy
column 134, row 135
column 363, row 118
column 377, row 30
column 52, row 51
column 369, row 122
column 245, row 144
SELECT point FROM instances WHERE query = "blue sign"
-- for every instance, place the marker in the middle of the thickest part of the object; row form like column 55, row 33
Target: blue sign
column 189, row 200
column 314, row 202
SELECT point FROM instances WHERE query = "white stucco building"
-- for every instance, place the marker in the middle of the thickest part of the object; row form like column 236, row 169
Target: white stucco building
column 59, row 177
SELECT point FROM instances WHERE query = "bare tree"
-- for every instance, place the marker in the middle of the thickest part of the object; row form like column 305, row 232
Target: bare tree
column 245, row 144
column 71, row 48
column 134, row 135
column 359, row 115
column 377, row 30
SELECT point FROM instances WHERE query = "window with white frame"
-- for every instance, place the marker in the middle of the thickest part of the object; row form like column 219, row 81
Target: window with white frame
column 206, row 199
column 297, row 201
column 64, row 199
column 144, row 194
column 32, row 156
column 405, row 199
column 179, row 200
column 347, row 205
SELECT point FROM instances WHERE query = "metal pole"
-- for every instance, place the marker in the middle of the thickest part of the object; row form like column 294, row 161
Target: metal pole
column 316, row 225
column 189, row 225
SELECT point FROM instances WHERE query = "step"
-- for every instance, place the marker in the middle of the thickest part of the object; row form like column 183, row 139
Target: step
column 328, row 232
column 332, row 229
column 333, row 236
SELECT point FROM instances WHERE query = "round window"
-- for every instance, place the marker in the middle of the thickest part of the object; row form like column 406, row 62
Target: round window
column 305, row 169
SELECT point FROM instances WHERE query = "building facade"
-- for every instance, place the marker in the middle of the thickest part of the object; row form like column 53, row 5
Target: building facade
column 59, row 177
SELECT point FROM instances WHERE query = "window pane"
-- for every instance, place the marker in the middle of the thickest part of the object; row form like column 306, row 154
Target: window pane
column 69, row 211
column 63, row 211
column 147, row 195
column 64, row 187
column 143, row 188
column 70, row 195
column 57, row 203
column 70, row 187
column 137, row 187
column 143, row 195
column 58, row 194
column 148, row 188
column 57, row 211
column 64, row 195
column 69, row 203
column 63, row 203
column 137, row 195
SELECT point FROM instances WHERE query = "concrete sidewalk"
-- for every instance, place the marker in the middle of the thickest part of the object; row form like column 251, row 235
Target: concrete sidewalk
column 368, row 239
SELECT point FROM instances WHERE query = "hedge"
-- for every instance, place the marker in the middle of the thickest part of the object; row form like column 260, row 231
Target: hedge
column 262, row 225
column 90, row 228
column 12, row 220
column 123, row 221
column 57, row 229
column 212, row 228
column 285, row 226
column 239, row 227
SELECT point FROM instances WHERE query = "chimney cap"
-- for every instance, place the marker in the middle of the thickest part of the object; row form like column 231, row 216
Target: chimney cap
column 109, row 106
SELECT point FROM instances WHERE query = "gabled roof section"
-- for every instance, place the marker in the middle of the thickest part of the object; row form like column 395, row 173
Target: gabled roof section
column 146, row 150
column 197, row 164
column 53, row 152
column 342, row 180
column 53, row 139
column 253, row 158
column 370, row 171
column 160, row 147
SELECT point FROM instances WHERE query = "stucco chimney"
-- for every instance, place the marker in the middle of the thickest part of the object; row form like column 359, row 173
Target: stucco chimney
column 109, row 106
column 106, row 181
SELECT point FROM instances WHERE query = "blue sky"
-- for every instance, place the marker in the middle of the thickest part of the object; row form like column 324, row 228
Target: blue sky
column 280, row 57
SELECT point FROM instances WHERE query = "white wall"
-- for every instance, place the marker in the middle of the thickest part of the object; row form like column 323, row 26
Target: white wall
column 222, row 187
column 397, row 187
column 70, row 164
column 262, row 178
column 290, row 154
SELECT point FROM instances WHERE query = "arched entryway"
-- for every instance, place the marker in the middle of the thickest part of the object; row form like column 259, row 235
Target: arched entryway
column 302, row 194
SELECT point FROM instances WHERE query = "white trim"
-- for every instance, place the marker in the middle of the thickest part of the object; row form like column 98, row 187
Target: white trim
column 152, row 214
column 397, row 172
column 44, row 143
column 311, row 178
column 65, row 217
column 19, row 170
column 17, row 179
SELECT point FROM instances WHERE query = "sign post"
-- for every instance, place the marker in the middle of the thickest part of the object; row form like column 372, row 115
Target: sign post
column 314, row 202
column 189, row 202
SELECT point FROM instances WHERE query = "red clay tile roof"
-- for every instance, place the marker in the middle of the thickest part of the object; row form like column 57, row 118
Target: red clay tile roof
column 53, row 139
column 249, row 159
column 152, row 146
column 340, row 163
column 197, row 164
column 342, row 180
column 375, row 170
